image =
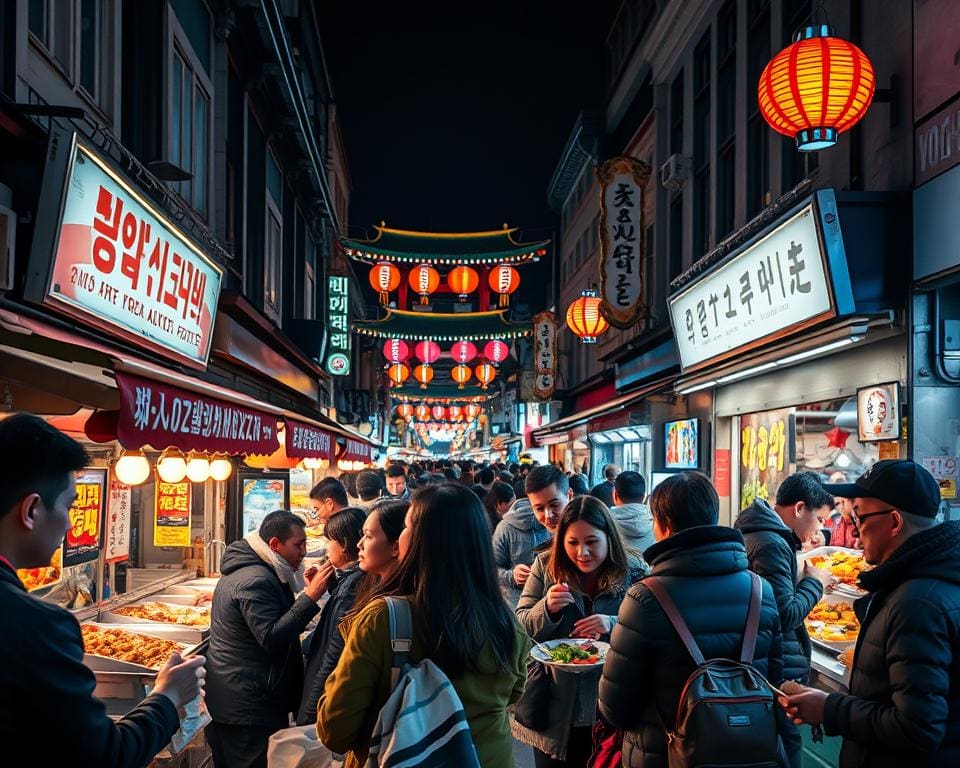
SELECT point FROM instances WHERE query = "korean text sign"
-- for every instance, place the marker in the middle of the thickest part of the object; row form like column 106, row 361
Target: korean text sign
column 82, row 543
column 119, row 262
column 171, row 522
column 304, row 441
column 776, row 284
column 766, row 443
column 338, row 327
column 160, row 415
column 545, row 355
column 119, row 510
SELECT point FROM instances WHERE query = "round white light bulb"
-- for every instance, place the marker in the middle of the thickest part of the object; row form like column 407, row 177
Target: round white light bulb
column 132, row 468
column 198, row 468
column 220, row 468
column 172, row 467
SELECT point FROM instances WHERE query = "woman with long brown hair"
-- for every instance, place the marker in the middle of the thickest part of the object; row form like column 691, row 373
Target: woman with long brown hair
column 574, row 590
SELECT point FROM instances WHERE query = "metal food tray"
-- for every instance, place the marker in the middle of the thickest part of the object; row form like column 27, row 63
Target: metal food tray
column 841, row 588
column 101, row 664
column 834, row 648
column 147, row 626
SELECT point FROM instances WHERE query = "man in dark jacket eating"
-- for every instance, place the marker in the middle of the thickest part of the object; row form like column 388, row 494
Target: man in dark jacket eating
column 773, row 536
column 904, row 703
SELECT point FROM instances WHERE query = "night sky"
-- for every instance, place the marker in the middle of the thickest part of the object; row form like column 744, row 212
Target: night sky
column 456, row 121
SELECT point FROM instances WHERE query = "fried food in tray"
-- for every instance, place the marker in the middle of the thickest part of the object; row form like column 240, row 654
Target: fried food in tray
column 119, row 644
column 167, row 613
column 833, row 623
column 845, row 566
column 846, row 656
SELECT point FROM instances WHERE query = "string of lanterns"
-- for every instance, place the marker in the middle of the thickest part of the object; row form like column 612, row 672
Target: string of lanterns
column 396, row 351
column 424, row 279
column 133, row 467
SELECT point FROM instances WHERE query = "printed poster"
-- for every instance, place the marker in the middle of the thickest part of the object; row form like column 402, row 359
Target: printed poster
column 878, row 413
column 82, row 543
column 766, row 446
column 171, row 522
column 117, row 543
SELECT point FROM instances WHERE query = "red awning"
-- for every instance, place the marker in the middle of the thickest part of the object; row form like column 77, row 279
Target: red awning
column 305, row 441
column 162, row 415
column 356, row 450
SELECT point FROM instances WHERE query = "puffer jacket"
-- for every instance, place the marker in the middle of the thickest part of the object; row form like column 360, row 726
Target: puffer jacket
column 323, row 647
column 772, row 551
column 636, row 525
column 254, row 662
column 514, row 540
column 573, row 696
column 705, row 571
column 903, row 709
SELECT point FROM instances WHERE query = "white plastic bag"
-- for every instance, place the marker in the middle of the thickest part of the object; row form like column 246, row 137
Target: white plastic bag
column 298, row 747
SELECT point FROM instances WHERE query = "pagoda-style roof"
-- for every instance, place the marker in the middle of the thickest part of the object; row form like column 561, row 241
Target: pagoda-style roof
column 444, row 248
column 437, row 393
column 442, row 326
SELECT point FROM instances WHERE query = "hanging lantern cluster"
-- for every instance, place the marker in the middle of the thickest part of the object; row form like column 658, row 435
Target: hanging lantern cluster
column 396, row 350
column 485, row 373
column 504, row 280
column 473, row 410
column 461, row 374
column 422, row 412
column 463, row 351
column 384, row 279
column 398, row 373
column 424, row 280
column 423, row 374
column 816, row 88
column 463, row 281
column 496, row 351
column 405, row 411
column 584, row 318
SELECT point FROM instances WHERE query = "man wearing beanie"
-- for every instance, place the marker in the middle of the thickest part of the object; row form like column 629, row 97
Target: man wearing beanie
column 904, row 703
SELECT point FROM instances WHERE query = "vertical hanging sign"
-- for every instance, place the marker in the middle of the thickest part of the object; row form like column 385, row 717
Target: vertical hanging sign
column 117, row 545
column 82, row 543
column 622, row 251
column 544, row 355
column 338, row 328
column 171, row 522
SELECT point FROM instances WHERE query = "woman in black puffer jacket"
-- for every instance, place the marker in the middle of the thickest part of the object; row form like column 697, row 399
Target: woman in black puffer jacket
column 704, row 567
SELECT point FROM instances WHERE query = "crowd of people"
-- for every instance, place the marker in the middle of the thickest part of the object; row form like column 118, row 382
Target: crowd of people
column 493, row 559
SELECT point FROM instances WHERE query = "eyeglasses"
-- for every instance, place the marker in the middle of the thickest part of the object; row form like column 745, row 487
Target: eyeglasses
column 857, row 520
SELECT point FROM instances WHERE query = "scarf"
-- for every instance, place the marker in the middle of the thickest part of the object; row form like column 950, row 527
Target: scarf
column 285, row 572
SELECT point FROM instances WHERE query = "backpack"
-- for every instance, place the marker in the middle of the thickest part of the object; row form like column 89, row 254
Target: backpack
column 726, row 715
column 423, row 723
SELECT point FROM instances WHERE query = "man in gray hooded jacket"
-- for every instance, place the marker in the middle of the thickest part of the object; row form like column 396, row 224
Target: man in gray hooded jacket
column 514, row 540
column 632, row 515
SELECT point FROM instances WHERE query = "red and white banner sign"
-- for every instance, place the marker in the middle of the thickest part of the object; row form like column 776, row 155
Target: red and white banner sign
column 119, row 509
column 161, row 416
column 356, row 450
column 304, row 441
column 545, row 355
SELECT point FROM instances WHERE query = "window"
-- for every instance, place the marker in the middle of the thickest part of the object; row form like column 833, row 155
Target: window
column 676, row 115
column 189, row 121
column 701, row 146
column 310, row 280
column 726, row 118
column 273, row 247
column 758, row 148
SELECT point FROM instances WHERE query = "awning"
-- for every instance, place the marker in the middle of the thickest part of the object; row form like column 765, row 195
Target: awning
column 357, row 450
column 577, row 425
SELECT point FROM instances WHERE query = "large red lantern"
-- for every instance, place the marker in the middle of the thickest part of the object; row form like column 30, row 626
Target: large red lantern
column 455, row 412
column 584, row 318
column 424, row 280
column 439, row 412
column 396, row 350
column 485, row 373
column 496, row 351
column 427, row 352
column 398, row 373
column 422, row 412
column 816, row 88
column 473, row 410
column 423, row 374
column 463, row 280
column 461, row 374
column 384, row 278
column 504, row 280
column 463, row 351
column 405, row 411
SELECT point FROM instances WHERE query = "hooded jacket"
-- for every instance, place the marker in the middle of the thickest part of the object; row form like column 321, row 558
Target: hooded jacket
column 705, row 571
column 514, row 540
column 636, row 525
column 772, row 551
column 254, row 662
column 903, row 709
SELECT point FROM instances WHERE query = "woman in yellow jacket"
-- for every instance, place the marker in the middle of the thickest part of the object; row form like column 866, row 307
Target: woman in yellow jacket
column 460, row 622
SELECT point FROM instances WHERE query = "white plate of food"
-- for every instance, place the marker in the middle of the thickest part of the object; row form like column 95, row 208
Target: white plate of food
column 844, row 565
column 571, row 654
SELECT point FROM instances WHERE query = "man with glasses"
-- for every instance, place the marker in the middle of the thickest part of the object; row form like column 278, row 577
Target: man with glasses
column 904, row 703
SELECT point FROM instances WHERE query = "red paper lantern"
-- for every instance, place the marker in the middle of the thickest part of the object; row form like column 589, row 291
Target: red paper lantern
column 584, row 318
column 461, row 374
column 485, row 373
column 423, row 374
column 463, row 351
column 405, row 410
column 463, row 280
column 473, row 410
column 816, row 88
column 396, row 350
column 398, row 373
column 455, row 412
column 427, row 352
column 439, row 412
column 504, row 280
column 422, row 412
column 384, row 278
column 424, row 280
column 496, row 351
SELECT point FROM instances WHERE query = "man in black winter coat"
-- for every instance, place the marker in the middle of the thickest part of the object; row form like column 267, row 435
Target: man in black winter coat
column 773, row 536
column 704, row 567
column 903, row 710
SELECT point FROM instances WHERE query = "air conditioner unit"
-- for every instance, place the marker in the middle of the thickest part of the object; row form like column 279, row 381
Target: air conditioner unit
column 8, row 243
column 674, row 172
